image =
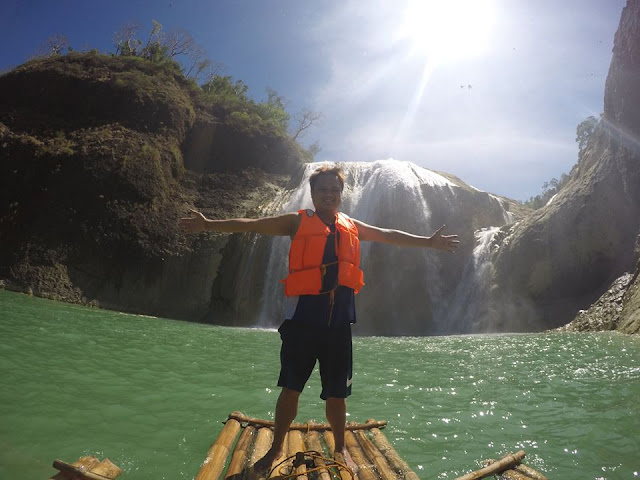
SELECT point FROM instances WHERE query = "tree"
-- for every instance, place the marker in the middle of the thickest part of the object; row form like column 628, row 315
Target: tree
column 198, row 63
column 277, row 100
column 213, row 70
column 225, row 86
column 314, row 149
column 160, row 47
column 304, row 119
column 584, row 131
column 54, row 45
column 274, row 109
column 57, row 43
column 179, row 42
column 154, row 50
column 125, row 40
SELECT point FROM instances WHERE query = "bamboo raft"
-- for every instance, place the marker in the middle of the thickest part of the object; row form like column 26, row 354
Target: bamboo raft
column 307, row 456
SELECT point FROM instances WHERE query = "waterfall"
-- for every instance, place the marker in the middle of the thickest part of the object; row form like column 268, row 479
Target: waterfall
column 408, row 291
column 470, row 306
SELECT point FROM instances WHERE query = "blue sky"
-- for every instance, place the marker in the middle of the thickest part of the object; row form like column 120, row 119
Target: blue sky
column 488, row 90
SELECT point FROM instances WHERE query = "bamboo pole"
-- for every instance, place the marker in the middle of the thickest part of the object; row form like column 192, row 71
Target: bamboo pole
column 378, row 459
column 395, row 460
column 262, row 444
column 79, row 472
column 213, row 464
column 527, row 470
column 521, row 471
column 331, row 445
column 283, row 455
column 329, row 440
column 304, row 426
column 312, row 440
column 296, row 445
column 86, row 463
column 504, row 463
column 107, row 468
column 513, row 475
column 241, row 452
column 365, row 469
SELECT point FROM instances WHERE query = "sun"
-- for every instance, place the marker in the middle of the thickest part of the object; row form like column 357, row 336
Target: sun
column 448, row 30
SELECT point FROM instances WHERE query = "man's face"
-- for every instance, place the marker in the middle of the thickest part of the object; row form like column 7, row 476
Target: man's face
column 327, row 193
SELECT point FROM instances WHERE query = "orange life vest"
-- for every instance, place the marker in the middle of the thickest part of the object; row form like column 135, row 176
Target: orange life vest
column 307, row 249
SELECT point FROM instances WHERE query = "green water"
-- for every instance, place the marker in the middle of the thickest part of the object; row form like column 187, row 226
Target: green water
column 150, row 394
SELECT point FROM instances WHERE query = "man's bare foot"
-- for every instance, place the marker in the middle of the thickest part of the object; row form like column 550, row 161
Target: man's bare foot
column 344, row 458
column 264, row 464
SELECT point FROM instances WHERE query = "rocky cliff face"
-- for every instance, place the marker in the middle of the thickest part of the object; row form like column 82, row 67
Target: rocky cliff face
column 630, row 316
column 617, row 309
column 97, row 163
column 564, row 256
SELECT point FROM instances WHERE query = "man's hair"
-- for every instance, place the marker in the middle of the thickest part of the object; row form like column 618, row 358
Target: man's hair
column 327, row 170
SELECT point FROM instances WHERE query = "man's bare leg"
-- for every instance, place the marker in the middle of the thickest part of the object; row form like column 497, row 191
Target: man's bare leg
column 286, row 411
column 336, row 409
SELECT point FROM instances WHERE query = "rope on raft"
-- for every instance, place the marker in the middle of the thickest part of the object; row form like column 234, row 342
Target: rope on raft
column 301, row 458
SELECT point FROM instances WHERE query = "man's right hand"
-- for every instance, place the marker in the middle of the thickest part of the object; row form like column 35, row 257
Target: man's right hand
column 196, row 223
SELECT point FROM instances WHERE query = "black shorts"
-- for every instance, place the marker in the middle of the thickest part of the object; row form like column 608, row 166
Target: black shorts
column 303, row 344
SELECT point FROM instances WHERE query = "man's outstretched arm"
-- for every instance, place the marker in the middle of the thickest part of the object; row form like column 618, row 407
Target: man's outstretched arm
column 438, row 241
column 283, row 225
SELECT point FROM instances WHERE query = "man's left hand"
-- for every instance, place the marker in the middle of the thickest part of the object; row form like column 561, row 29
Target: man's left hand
column 444, row 242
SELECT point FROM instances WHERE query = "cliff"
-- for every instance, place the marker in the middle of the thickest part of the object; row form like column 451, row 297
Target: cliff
column 563, row 257
column 617, row 309
column 99, row 157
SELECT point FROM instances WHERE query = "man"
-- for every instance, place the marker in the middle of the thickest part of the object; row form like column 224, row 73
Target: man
column 324, row 275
